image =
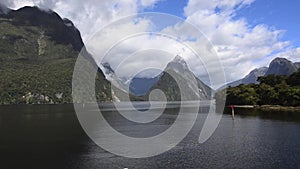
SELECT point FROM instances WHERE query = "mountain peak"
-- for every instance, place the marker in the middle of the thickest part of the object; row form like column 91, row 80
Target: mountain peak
column 62, row 31
column 178, row 72
column 281, row 66
column 254, row 74
column 179, row 59
column 280, row 59
column 278, row 66
column 34, row 10
column 178, row 64
column 259, row 71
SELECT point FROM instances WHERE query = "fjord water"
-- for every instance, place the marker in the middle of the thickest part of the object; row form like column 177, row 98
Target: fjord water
column 50, row 136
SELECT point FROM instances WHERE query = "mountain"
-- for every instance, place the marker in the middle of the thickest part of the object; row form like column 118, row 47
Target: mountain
column 251, row 77
column 119, row 85
column 108, row 71
column 38, row 51
column 281, row 66
column 140, row 86
column 117, row 82
column 278, row 66
column 297, row 64
column 177, row 72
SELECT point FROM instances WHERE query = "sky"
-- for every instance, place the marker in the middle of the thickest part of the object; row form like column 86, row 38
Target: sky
column 245, row 34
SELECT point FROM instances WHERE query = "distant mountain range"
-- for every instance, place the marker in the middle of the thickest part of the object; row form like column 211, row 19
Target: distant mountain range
column 38, row 51
column 138, row 86
column 164, row 81
column 278, row 66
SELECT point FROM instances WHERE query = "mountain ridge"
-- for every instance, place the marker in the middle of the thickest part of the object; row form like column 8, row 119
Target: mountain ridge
column 281, row 66
column 38, row 51
column 178, row 73
column 278, row 66
column 164, row 81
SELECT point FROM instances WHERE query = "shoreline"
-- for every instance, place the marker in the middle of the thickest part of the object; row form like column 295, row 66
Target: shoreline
column 257, row 107
column 270, row 108
column 279, row 108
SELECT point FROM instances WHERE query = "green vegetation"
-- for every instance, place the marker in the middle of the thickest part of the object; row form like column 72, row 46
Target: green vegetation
column 272, row 90
column 37, row 59
column 42, row 82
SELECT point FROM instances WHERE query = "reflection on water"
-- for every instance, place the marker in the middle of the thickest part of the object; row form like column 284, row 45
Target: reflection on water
column 292, row 116
column 48, row 136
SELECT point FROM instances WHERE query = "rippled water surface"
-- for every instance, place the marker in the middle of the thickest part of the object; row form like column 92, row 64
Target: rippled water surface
column 46, row 136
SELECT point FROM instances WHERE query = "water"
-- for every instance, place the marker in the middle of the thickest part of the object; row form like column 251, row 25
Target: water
column 50, row 136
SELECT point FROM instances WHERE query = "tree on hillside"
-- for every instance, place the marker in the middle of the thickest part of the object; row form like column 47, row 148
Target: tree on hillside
column 271, row 80
column 242, row 94
column 294, row 79
column 267, row 94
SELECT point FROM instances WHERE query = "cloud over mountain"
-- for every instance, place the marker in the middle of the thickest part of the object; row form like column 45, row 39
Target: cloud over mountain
column 240, row 45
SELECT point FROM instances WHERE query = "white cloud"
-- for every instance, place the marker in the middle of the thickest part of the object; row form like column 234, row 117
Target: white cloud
column 6, row 2
column 46, row 4
column 90, row 15
column 240, row 46
column 148, row 3
column 292, row 54
column 226, row 6
column 131, row 49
